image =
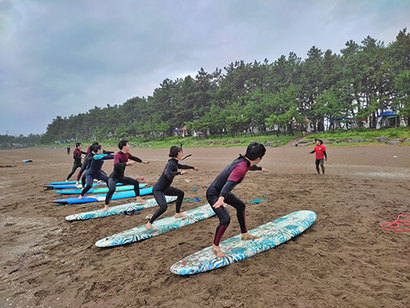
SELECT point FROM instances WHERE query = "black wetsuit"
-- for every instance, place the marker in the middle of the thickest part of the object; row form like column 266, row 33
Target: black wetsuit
column 222, row 186
column 77, row 161
column 163, row 188
column 95, row 172
column 86, row 164
column 117, row 176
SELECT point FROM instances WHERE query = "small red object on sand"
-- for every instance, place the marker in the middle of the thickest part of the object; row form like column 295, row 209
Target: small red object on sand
column 394, row 226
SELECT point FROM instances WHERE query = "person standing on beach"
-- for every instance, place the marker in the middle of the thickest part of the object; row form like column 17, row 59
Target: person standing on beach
column 163, row 186
column 219, row 193
column 117, row 176
column 94, row 171
column 86, row 163
column 68, row 150
column 320, row 150
column 77, row 159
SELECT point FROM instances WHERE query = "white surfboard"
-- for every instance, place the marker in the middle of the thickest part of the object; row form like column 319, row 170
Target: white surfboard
column 271, row 235
column 160, row 226
column 118, row 209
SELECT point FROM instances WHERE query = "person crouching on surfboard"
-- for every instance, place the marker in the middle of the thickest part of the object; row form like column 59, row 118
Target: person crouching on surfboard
column 219, row 193
column 94, row 171
column 117, row 176
column 163, row 186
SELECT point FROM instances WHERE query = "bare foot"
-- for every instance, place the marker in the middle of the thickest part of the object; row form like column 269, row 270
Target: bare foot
column 217, row 251
column 247, row 237
column 179, row 215
column 148, row 226
column 139, row 200
column 105, row 209
column 80, row 197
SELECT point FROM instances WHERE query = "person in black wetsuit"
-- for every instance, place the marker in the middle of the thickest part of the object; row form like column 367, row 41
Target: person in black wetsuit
column 94, row 171
column 77, row 159
column 219, row 193
column 86, row 163
column 117, row 176
column 163, row 186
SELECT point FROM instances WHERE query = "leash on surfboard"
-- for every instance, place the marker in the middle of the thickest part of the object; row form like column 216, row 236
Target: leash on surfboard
column 394, row 226
column 263, row 198
column 185, row 157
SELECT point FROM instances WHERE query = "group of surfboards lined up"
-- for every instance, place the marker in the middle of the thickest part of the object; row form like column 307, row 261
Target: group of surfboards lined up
column 218, row 194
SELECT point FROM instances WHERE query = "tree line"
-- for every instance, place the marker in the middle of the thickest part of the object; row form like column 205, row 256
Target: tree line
column 7, row 141
column 290, row 93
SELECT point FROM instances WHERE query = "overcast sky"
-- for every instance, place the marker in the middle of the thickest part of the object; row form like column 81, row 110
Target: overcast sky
column 63, row 57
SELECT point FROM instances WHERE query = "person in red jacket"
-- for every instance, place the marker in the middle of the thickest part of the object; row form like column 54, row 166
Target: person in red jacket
column 320, row 150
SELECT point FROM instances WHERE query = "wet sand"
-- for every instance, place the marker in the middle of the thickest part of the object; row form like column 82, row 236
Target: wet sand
column 344, row 260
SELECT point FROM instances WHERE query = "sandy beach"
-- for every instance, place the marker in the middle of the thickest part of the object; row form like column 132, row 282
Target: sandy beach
column 345, row 259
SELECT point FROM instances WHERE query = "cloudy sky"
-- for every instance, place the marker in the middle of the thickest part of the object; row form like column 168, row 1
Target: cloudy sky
column 63, row 57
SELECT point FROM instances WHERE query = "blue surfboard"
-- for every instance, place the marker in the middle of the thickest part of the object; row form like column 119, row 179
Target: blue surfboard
column 97, row 190
column 160, row 226
column 73, row 186
column 97, row 198
column 271, row 235
column 63, row 183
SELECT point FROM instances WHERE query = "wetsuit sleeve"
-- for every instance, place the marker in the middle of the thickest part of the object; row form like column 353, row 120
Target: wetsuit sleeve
column 117, row 163
column 77, row 154
column 324, row 153
column 82, row 152
column 236, row 176
column 312, row 151
column 185, row 167
column 108, row 152
column 138, row 160
column 255, row 168
column 103, row 156
column 171, row 170
column 229, row 185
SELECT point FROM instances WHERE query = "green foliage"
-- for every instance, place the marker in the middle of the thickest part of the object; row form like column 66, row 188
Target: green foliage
column 367, row 134
column 7, row 141
column 260, row 97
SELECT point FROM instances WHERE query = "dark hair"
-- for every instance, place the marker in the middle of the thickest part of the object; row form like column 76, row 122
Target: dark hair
column 95, row 143
column 122, row 143
column 77, row 144
column 95, row 147
column 174, row 150
column 321, row 142
column 255, row 150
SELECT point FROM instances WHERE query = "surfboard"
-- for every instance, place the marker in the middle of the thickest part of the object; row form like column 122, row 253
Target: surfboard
column 98, row 190
column 63, row 183
column 271, row 234
column 118, row 209
column 74, row 186
column 97, row 198
column 67, row 186
column 160, row 226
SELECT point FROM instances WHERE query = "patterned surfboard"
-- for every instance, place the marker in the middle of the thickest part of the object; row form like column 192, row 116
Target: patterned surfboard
column 271, row 234
column 98, row 190
column 97, row 198
column 118, row 209
column 160, row 226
